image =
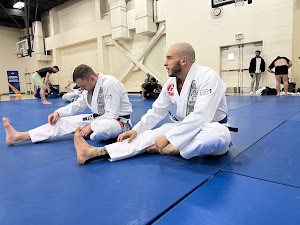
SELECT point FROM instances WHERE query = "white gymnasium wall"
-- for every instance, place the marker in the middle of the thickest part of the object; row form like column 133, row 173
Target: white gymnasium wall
column 296, row 43
column 84, row 21
column 270, row 21
column 10, row 62
column 75, row 14
column 78, row 31
column 84, row 53
column 119, row 63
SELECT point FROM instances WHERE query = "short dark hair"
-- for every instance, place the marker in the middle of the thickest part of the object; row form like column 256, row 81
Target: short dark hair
column 153, row 79
column 56, row 67
column 82, row 72
column 257, row 51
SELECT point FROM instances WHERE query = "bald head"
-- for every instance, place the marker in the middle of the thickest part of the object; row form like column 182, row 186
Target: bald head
column 184, row 49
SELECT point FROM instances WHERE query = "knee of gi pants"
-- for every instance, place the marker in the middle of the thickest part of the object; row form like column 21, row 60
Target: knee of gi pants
column 105, row 129
column 213, row 139
column 221, row 144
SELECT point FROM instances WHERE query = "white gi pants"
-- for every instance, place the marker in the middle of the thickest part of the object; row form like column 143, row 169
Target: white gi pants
column 103, row 128
column 213, row 139
column 70, row 97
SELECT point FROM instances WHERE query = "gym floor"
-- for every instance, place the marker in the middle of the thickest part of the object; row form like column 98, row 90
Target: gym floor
column 256, row 182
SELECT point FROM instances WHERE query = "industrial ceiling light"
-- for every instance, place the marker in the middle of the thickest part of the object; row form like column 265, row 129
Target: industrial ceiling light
column 18, row 5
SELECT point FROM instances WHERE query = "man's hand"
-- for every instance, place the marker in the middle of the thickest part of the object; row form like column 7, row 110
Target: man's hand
column 86, row 131
column 52, row 118
column 251, row 74
column 131, row 134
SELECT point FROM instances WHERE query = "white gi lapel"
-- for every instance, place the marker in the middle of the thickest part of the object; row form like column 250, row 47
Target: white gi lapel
column 184, row 95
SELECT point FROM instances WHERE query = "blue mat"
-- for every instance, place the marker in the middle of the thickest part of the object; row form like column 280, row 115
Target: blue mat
column 295, row 117
column 133, row 191
column 266, row 110
column 230, row 199
column 43, row 184
column 235, row 102
column 250, row 131
column 274, row 158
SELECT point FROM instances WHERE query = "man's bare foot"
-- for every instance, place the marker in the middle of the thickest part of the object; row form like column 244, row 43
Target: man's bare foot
column 170, row 150
column 11, row 133
column 46, row 103
column 152, row 149
column 84, row 150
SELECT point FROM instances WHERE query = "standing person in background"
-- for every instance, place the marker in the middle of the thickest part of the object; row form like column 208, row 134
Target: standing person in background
column 281, row 64
column 42, row 84
column 256, row 68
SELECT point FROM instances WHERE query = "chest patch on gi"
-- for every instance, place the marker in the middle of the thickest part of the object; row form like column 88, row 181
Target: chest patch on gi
column 192, row 98
column 170, row 89
column 100, row 102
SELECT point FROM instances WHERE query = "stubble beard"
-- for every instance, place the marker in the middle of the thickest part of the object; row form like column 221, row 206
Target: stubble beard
column 176, row 70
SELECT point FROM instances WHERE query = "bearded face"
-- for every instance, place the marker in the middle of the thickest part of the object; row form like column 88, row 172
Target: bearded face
column 175, row 70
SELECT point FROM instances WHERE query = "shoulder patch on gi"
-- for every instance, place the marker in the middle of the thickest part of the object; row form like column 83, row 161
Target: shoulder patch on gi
column 170, row 89
column 205, row 92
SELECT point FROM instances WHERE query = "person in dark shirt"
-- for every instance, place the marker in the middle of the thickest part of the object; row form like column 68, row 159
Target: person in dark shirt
column 38, row 76
column 256, row 68
column 281, row 64
column 151, row 90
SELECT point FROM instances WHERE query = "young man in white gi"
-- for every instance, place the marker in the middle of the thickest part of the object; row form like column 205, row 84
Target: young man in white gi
column 199, row 95
column 103, row 94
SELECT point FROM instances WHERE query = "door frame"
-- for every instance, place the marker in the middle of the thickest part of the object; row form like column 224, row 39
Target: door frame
column 241, row 68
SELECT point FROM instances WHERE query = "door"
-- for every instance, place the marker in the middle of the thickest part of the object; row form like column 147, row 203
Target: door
column 235, row 61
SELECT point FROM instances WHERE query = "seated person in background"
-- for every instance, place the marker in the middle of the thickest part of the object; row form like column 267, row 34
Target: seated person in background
column 146, row 81
column 149, row 76
column 151, row 90
column 50, row 90
column 72, row 93
column 53, row 91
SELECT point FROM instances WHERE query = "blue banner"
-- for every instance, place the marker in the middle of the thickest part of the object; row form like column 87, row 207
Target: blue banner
column 13, row 82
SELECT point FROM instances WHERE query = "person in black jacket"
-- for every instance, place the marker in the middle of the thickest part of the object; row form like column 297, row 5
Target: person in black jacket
column 256, row 68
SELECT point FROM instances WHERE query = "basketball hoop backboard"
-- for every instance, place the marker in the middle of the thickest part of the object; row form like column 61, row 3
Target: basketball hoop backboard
column 22, row 47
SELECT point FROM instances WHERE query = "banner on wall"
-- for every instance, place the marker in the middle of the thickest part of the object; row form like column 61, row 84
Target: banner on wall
column 13, row 82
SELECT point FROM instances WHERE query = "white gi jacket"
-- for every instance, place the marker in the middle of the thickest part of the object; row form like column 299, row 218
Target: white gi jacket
column 109, row 99
column 116, row 101
column 210, row 105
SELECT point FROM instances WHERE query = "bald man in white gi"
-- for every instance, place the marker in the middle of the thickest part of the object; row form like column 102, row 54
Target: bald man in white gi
column 199, row 95
column 107, row 99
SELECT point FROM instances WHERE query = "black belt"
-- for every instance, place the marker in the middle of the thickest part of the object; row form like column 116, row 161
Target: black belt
column 90, row 117
column 95, row 115
column 233, row 129
column 125, row 117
